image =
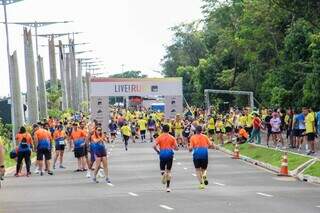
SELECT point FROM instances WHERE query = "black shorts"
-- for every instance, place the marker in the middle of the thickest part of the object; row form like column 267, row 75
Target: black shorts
column 296, row 132
column 186, row 135
column 200, row 163
column 211, row 131
column 126, row 137
column 44, row 152
column 60, row 147
column 228, row 129
column 311, row 136
column 113, row 134
column 79, row 152
column 166, row 164
column 142, row 132
column 302, row 132
column 276, row 133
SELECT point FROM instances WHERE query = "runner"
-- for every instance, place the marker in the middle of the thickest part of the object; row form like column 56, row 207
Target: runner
column 151, row 127
column 100, row 152
column 113, row 130
column 42, row 144
column 199, row 144
column 126, row 132
column 24, row 141
column 179, row 126
column 142, row 123
column 310, row 122
column 164, row 146
column 211, row 127
column 59, row 137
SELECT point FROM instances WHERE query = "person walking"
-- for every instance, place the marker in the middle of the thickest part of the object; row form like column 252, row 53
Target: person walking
column 24, row 147
column 257, row 125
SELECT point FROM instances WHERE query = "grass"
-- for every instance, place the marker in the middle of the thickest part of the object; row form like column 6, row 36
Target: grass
column 270, row 156
column 313, row 170
column 9, row 162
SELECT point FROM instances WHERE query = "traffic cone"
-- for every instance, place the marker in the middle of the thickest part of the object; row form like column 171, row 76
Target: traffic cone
column 284, row 171
column 236, row 152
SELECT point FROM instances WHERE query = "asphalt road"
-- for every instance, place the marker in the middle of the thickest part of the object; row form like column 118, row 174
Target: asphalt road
column 235, row 187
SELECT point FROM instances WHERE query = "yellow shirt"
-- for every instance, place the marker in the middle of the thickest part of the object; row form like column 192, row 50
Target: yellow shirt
column 211, row 123
column 310, row 123
column 142, row 124
column 242, row 120
column 126, row 130
column 249, row 120
column 219, row 126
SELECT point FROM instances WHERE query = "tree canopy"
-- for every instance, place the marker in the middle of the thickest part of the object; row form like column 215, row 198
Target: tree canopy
column 270, row 47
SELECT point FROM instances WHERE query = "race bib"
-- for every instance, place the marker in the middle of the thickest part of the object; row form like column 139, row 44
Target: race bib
column 61, row 142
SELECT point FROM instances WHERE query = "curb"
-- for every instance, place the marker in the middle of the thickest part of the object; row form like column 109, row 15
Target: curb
column 297, row 173
column 308, row 178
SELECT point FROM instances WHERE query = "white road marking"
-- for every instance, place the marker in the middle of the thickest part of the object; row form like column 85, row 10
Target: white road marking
column 179, row 163
column 194, row 175
column 264, row 194
column 185, row 168
column 318, row 206
column 219, row 184
column 166, row 207
column 110, row 184
column 133, row 194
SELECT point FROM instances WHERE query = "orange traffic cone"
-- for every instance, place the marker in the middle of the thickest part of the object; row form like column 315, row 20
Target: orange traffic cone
column 284, row 171
column 236, row 152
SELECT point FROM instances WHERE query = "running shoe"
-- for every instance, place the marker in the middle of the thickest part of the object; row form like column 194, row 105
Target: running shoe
column 101, row 173
column 168, row 190
column 108, row 180
column 205, row 181
column 88, row 174
column 50, row 173
column 62, row 167
column 37, row 171
column 201, row 186
column 95, row 180
column 41, row 173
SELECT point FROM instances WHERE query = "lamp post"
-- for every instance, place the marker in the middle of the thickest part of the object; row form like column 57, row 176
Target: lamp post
column 16, row 106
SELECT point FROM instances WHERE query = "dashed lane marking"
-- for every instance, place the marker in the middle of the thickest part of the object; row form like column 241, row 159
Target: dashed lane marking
column 219, row 184
column 133, row 194
column 185, row 168
column 110, row 184
column 166, row 207
column 194, row 175
column 264, row 194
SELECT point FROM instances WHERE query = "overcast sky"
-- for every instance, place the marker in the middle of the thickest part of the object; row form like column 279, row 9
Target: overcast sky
column 129, row 32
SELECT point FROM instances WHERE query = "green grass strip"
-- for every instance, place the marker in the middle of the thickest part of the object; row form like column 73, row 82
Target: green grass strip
column 313, row 170
column 270, row 156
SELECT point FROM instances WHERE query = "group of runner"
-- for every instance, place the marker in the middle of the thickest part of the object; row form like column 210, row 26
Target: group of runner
column 195, row 130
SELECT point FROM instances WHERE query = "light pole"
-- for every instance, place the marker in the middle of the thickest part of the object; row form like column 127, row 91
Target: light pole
column 37, row 24
column 16, row 108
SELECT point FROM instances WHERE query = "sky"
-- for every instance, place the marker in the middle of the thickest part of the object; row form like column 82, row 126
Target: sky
column 129, row 32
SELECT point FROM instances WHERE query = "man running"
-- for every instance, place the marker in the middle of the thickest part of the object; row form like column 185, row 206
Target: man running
column 199, row 144
column 164, row 146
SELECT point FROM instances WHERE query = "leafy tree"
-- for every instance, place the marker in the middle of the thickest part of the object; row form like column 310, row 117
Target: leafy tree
column 129, row 74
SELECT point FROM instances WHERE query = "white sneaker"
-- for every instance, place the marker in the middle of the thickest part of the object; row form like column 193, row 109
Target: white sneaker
column 101, row 173
column 37, row 171
column 88, row 174
column 168, row 190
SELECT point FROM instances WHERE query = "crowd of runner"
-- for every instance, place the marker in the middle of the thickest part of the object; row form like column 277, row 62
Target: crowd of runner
column 195, row 130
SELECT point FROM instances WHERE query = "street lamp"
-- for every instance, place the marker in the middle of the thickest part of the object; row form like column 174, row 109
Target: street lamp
column 36, row 24
column 11, row 75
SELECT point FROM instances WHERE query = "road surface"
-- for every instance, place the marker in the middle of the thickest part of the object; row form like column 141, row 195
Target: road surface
column 235, row 187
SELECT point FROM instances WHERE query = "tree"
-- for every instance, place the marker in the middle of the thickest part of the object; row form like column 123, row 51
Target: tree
column 129, row 74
